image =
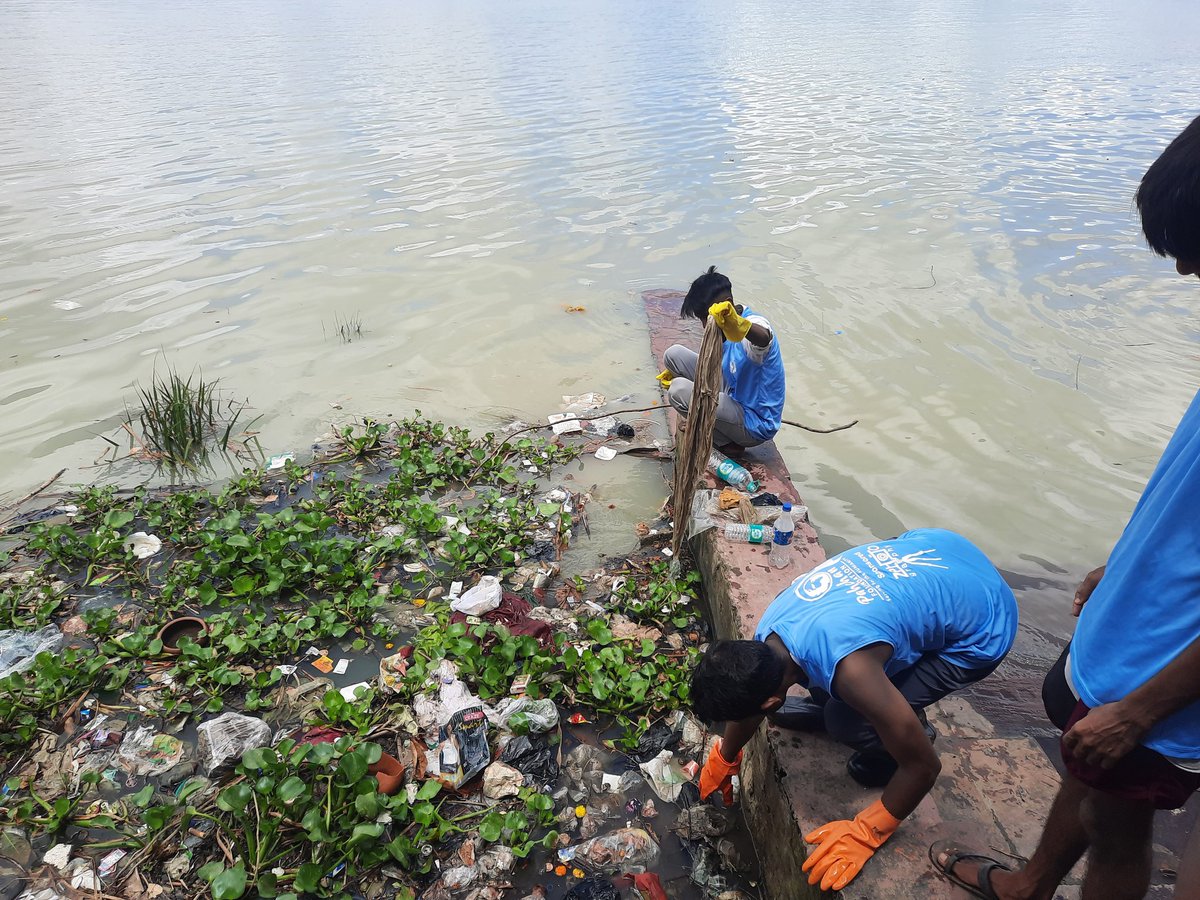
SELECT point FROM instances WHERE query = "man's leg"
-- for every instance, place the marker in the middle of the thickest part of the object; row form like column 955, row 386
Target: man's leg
column 681, row 361
column 730, row 425
column 1064, row 840
column 1120, row 832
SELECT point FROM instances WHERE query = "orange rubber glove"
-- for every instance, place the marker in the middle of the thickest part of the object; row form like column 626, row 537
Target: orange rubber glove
column 733, row 326
column 664, row 378
column 718, row 774
column 844, row 847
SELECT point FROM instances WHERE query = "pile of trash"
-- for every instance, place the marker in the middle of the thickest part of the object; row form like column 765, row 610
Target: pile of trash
column 512, row 733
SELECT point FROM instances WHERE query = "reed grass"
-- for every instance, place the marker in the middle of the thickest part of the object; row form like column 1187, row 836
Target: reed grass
column 180, row 421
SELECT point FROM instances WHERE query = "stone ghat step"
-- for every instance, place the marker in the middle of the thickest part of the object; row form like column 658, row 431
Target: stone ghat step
column 993, row 791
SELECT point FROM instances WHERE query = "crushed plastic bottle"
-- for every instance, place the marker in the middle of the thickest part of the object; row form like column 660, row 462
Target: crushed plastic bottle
column 728, row 470
column 749, row 534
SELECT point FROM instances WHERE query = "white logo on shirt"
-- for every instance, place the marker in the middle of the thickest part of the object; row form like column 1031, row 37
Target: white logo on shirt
column 864, row 582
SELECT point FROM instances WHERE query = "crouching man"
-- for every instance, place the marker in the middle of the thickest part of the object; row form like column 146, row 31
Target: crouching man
column 875, row 634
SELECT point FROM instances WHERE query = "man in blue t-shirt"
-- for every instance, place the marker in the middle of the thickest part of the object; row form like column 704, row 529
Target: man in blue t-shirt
column 1126, row 692
column 750, row 409
column 875, row 634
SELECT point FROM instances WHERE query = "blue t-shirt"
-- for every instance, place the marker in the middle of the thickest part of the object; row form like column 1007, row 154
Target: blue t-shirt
column 754, row 378
column 927, row 591
column 1146, row 609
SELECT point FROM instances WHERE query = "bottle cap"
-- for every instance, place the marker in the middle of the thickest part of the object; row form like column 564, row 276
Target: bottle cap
column 787, row 507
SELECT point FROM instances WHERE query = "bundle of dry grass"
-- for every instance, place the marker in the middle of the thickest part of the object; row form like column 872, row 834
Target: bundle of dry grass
column 696, row 432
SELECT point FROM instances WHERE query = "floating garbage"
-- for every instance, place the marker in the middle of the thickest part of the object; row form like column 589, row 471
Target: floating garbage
column 224, row 739
column 392, row 669
column 536, row 760
column 19, row 648
column 501, row 780
column 482, row 598
column 665, row 776
column 605, row 453
column 155, row 755
column 142, row 545
column 625, row 850
column 538, row 715
column 278, row 462
column 583, row 402
column 703, row 821
column 463, row 749
column 593, row 889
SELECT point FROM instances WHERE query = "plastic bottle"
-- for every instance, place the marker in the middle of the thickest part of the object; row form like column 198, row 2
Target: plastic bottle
column 750, row 534
column 781, row 553
column 730, row 471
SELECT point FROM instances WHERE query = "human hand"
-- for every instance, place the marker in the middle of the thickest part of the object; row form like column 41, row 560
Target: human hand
column 1084, row 591
column 1105, row 735
column 718, row 773
column 664, row 378
column 733, row 326
column 844, row 847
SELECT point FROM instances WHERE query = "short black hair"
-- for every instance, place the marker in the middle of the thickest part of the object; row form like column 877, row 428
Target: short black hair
column 733, row 679
column 709, row 288
column 1168, row 198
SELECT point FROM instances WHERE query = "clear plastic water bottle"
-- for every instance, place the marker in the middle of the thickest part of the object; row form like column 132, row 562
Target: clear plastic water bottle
column 730, row 471
column 781, row 553
column 750, row 534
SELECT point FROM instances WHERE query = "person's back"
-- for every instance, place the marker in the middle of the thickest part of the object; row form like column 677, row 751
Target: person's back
column 927, row 591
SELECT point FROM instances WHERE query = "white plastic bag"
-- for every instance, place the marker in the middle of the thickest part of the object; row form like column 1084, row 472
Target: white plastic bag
column 665, row 776
column 542, row 715
column 480, row 599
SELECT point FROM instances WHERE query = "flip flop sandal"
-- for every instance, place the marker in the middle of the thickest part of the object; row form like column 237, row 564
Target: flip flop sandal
column 983, row 878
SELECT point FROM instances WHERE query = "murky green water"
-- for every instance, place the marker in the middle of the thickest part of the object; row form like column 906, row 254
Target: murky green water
column 932, row 202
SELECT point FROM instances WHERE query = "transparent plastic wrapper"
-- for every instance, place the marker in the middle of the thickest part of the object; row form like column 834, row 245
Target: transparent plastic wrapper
column 702, row 518
column 155, row 755
column 665, row 776
column 703, row 821
column 391, row 672
column 463, row 751
column 18, row 648
column 482, row 598
column 585, row 770
column 224, row 739
column 626, row 850
column 539, row 715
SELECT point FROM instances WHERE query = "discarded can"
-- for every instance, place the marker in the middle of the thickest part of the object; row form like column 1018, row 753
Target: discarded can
column 426, row 851
column 520, row 685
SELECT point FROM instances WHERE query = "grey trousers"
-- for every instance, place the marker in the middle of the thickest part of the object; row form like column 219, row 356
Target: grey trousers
column 730, row 426
column 926, row 682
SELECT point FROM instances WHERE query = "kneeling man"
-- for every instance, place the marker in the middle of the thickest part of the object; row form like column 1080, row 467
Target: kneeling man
column 875, row 634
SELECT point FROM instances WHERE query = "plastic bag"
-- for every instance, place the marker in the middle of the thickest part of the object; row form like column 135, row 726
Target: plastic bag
column 392, row 669
column 624, row 850
column 540, row 715
column 225, row 738
column 463, row 751
column 536, row 760
column 585, row 770
column 501, row 780
column 658, row 737
column 483, row 597
column 701, row 519
column 703, row 821
column 18, row 648
column 665, row 776
column 647, row 886
column 155, row 755
column 593, row 889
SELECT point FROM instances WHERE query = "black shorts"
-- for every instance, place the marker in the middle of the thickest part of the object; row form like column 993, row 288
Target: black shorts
column 1142, row 775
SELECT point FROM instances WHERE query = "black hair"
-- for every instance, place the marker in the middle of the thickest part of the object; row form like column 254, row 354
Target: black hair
column 733, row 679
column 709, row 288
column 1168, row 198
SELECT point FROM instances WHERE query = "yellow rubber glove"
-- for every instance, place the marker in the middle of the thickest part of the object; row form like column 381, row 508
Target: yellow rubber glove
column 718, row 773
column 844, row 847
column 733, row 326
column 664, row 378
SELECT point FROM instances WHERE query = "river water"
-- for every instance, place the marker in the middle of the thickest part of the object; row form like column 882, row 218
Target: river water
column 932, row 201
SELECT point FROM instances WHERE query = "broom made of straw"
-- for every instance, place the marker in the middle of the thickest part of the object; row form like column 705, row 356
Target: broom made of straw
column 695, row 442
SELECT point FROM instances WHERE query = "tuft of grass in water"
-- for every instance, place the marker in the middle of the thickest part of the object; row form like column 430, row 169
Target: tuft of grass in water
column 346, row 329
column 180, row 421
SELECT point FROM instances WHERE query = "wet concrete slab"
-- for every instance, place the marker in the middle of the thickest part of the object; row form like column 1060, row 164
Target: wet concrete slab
column 994, row 789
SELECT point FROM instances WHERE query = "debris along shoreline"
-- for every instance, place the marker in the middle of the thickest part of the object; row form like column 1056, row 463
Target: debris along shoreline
column 390, row 690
